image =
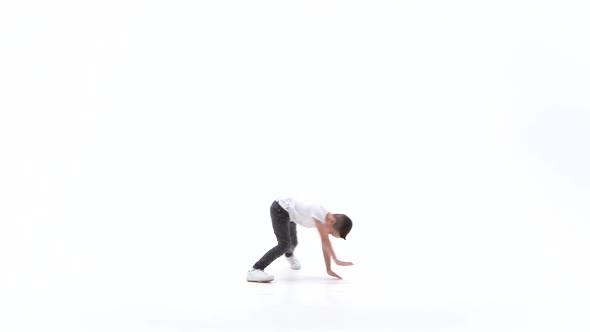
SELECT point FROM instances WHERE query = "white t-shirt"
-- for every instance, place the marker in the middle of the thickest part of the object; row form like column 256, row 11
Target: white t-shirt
column 303, row 213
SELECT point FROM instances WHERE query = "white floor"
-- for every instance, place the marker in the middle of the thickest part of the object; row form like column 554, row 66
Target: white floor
column 379, row 293
column 300, row 301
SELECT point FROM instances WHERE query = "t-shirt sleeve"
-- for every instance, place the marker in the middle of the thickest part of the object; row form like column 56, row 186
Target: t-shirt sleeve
column 319, row 212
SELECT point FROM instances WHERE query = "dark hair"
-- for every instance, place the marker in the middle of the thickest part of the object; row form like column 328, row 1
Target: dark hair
column 343, row 225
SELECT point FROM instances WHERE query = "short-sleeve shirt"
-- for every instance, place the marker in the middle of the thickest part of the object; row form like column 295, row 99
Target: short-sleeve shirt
column 303, row 213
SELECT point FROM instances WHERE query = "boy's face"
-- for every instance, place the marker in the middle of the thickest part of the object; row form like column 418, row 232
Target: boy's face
column 334, row 233
column 331, row 221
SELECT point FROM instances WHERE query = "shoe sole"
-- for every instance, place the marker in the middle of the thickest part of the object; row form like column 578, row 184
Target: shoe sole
column 260, row 281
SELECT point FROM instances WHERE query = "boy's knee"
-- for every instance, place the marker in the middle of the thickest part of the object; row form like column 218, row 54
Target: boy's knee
column 284, row 246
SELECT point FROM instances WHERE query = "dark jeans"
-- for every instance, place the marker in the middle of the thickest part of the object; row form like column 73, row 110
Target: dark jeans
column 286, row 233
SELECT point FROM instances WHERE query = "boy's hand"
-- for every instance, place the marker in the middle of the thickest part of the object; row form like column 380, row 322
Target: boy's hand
column 330, row 272
column 341, row 263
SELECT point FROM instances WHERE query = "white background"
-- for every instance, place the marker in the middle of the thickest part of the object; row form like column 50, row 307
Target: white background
column 142, row 142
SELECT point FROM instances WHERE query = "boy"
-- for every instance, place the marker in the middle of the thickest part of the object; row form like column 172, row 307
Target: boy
column 285, row 214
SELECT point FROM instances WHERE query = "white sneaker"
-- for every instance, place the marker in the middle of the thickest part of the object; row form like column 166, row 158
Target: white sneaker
column 295, row 265
column 257, row 275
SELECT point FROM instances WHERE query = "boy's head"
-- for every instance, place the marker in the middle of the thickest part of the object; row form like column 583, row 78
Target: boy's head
column 341, row 226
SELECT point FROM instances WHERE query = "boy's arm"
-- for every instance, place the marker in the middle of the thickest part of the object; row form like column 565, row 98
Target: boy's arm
column 326, row 248
column 326, row 245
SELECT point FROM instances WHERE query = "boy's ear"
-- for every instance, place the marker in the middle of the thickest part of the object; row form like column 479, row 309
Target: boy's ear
column 331, row 219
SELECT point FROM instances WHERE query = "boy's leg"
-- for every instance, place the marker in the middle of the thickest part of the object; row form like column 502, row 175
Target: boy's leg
column 293, row 233
column 280, row 224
